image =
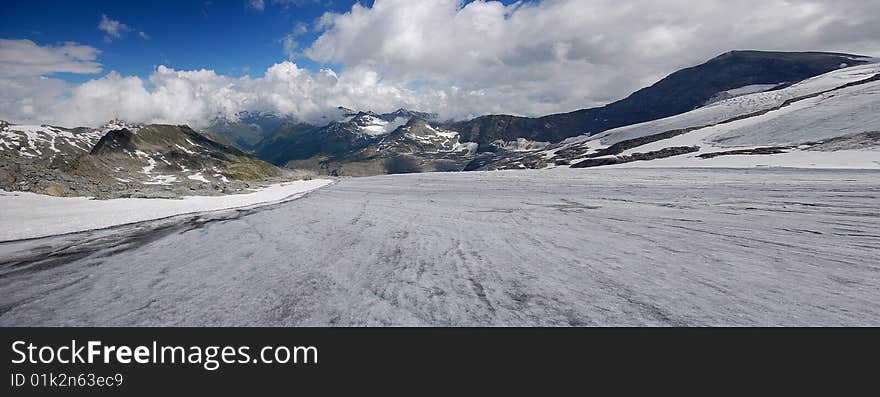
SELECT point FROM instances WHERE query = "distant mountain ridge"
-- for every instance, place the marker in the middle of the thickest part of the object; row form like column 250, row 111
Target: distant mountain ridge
column 724, row 90
column 680, row 92
column 828, row 121
column 356, row 137
column 353, row 139
column 246, row 129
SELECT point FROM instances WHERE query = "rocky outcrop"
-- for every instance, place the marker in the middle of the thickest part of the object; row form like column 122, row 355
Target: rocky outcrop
column 658, row 154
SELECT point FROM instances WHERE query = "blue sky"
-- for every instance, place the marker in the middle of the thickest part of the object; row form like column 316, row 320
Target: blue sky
column 224, row 35
column 227, row 36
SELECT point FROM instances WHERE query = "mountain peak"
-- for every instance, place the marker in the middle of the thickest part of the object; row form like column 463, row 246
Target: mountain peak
column 412, row 113
column 118, row 124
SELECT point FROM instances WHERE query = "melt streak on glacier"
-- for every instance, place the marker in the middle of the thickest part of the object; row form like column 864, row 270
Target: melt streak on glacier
column 555, row 247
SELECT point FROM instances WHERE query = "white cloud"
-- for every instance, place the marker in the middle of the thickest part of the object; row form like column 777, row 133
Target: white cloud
column 457, row 59
column 258, row 5
column 114, row 29
column 144, row 35
column 289, row 44
column 195, row 97
column 25, row 91
column 560, row 55
column 24, row 58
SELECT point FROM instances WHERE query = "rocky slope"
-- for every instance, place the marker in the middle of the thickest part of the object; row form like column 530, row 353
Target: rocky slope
column 416, row 146
column 362, row 142
column 40, row 157
column 123, row 160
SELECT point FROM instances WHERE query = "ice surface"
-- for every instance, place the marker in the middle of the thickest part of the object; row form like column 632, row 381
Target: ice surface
column 28, row 215
column 540, row 247
column 842, row 112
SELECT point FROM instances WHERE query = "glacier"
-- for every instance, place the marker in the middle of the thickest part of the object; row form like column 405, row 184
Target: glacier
column 557, row 247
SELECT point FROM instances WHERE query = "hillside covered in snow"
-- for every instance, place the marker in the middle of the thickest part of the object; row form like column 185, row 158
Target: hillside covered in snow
column 829, row 121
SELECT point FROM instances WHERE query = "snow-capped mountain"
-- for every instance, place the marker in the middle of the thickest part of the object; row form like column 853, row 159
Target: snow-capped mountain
column 370, row 123
column 730, row 74
column 248, row 129
column 826, row 121
column 742, row 104
column 373, row 124
column 361, row 139
column 51, row 142
column 46, row 141
column 735, row 84
column 418, row 136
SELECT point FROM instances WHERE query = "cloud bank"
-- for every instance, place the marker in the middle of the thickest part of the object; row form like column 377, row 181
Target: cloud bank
column 457, row 59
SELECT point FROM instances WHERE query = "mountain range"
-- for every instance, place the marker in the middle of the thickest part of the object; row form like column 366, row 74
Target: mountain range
column 736, row 109
column 361, row 143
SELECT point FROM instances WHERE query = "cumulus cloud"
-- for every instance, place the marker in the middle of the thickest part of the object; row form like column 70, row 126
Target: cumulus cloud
column 556, row 55
column 113, row 28
column 460, row 59
column 25, row 88
column 195, row 97
column 24, row 58
column 289, row 43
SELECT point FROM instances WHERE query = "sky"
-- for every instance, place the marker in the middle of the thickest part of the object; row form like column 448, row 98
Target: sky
column 188, row 62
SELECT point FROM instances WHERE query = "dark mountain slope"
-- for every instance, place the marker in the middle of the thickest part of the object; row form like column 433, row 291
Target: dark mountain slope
column 297, row 141
column 358, row 130
column 169, row 154
column 246, row 130
column 680, row 92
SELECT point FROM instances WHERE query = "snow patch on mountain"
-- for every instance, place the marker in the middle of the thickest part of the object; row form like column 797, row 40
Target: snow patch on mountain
column 39, row 140
column 198, row 177
column 737, row 92
column 519, row 145
column 375, row 126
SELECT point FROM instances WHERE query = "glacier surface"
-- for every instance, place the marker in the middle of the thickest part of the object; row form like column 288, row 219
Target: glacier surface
column 561, row 247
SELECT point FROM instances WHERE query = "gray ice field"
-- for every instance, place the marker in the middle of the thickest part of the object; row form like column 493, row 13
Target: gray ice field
column 613, row 247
